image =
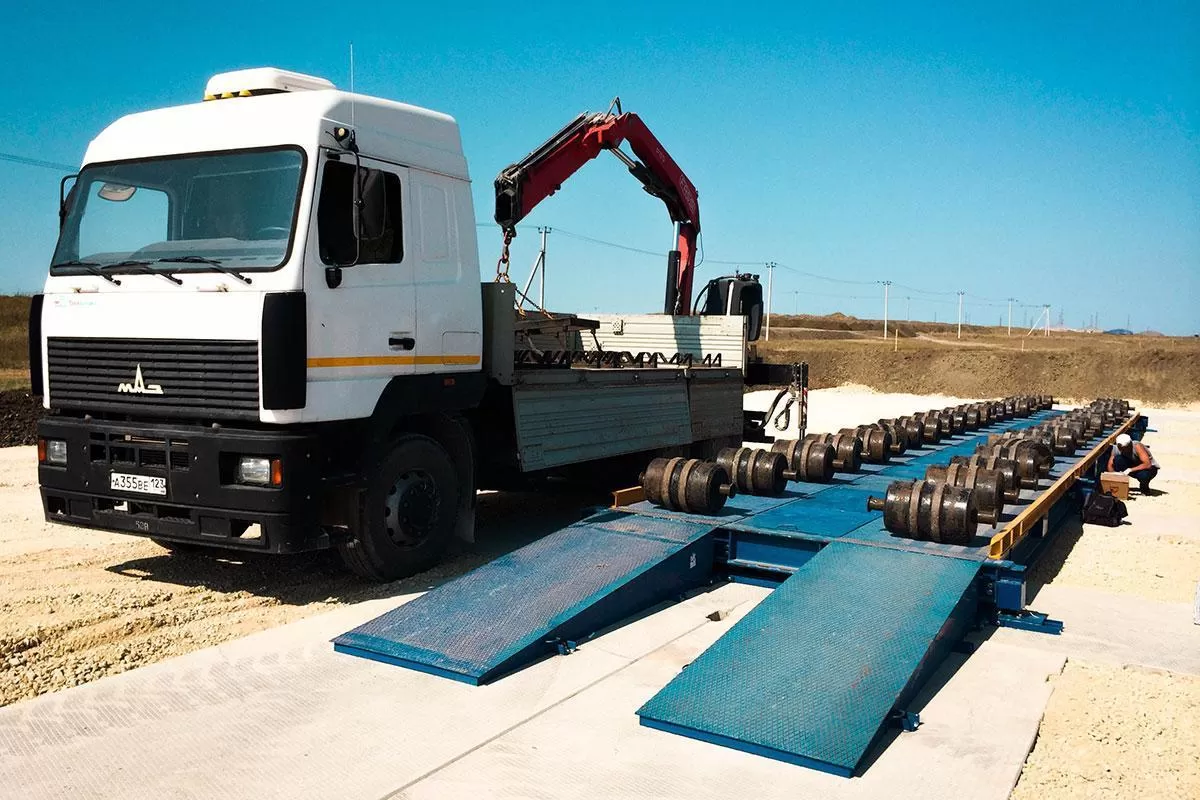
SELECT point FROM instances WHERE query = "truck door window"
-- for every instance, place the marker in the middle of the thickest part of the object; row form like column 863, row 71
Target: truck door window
column 382, row 239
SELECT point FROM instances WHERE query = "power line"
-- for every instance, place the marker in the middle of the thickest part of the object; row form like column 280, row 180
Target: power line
column 36, row 162
column 815, row 276
column 604, row 243
column 924, row 291
column 748, row 262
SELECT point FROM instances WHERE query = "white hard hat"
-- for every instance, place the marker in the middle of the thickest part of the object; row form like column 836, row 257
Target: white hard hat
column 1124, row 440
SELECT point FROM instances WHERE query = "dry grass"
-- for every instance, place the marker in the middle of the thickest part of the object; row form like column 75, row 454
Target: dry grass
column 14, row 339
column 13, row 379
column 930, row 359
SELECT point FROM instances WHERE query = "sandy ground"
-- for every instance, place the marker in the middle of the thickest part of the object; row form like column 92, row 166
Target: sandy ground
column 1115, row 730
column 76, row 605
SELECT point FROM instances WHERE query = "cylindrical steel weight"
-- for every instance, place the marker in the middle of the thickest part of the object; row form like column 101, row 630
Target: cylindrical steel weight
column 876, row 443
column 987, row 484
column 900, row 440
column 1024, row 456
column 756, row 471
column 812, row 461
column 928, row 510
column 687, row 484
column 914, row 428
column 946, row 418
column 847, row 450
column 931, row 427
column 1005, row 466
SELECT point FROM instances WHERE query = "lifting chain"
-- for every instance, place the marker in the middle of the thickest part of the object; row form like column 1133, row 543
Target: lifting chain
column 502, row 263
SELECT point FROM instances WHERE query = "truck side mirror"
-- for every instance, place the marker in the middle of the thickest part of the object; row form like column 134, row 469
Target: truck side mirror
column 66, row 198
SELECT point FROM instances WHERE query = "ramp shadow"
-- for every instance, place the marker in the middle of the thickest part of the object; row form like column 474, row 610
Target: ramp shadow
column 942, row 676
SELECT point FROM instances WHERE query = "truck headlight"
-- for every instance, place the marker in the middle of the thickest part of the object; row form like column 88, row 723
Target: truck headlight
column 52, row 451
column 259, row 471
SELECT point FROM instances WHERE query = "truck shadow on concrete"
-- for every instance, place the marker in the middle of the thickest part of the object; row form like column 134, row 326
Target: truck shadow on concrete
column 505, row 521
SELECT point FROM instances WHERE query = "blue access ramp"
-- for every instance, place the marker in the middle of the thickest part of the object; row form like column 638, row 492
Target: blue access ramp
column 527, row 604
column 812, row 675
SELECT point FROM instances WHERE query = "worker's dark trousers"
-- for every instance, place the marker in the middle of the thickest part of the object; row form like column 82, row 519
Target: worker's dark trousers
column 1144, row 476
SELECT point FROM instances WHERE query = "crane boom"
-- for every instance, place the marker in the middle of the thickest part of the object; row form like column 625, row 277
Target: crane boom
column 521, row 186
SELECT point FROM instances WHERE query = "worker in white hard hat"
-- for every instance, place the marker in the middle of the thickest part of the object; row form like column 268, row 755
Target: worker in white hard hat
column 1134, row 458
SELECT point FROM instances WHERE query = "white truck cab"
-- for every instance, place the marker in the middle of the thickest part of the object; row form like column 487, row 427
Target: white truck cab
column 264, row 328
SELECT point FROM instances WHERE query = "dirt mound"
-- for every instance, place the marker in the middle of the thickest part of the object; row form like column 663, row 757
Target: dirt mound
column 1155, row 371
column 842, row 322
column 19, row 413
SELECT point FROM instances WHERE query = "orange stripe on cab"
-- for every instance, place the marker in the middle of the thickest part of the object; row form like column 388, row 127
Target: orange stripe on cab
column 388, row 361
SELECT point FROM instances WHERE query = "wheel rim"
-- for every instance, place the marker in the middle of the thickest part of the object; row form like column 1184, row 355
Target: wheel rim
column 411, row 508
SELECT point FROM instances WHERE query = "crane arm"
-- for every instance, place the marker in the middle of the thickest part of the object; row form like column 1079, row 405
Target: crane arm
column 521, row 186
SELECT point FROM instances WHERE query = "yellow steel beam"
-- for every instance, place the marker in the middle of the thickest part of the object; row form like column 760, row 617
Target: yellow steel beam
column 1016, row 530
column 627, row 497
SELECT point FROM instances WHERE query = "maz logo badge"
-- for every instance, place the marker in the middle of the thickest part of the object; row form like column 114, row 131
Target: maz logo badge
column 139, row 385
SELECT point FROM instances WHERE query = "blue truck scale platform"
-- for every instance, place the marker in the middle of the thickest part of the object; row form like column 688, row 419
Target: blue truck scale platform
column 813, row 675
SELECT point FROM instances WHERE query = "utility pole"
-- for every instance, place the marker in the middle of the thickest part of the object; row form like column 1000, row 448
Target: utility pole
column 886, row 284
column 796, row 301
column 960, row 297
column 907, row 308
column 770, row 290
column 1011, row 300
column 542, row 258
column 539, row 267
column 1048, row 319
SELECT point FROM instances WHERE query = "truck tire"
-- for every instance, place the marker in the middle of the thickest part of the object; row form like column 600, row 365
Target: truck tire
column 412, row 500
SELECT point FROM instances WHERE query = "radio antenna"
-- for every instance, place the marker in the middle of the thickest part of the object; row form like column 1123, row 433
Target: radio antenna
column 352, row 84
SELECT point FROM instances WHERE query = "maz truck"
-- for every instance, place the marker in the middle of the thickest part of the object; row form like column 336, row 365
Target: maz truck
column 264, row 328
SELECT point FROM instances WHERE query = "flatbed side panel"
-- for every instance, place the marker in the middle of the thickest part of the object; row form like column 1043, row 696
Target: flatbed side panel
column 584, row 415
column 812, row 674
column 716, row 404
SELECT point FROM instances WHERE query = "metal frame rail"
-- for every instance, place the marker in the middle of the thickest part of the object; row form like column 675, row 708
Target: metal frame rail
column 1037, row 512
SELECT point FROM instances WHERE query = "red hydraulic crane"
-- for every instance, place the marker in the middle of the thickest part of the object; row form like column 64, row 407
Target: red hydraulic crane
column 521, row 186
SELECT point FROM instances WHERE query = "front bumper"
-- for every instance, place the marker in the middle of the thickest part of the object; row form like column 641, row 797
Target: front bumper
column 202, row 504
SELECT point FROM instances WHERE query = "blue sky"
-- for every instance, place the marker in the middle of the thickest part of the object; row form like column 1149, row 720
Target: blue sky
column 1048, row 151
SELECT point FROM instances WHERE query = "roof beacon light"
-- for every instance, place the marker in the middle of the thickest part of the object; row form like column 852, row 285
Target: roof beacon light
column 263, row 80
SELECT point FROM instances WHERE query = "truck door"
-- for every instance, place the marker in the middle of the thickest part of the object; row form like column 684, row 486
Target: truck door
column 362, row 331
column 445, row 263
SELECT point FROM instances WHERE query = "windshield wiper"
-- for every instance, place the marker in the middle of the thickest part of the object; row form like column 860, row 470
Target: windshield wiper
column 212, row 262
column 145, row 269
column 90, row 266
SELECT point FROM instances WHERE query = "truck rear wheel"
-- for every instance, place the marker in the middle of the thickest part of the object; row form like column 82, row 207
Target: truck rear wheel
column 411, row 504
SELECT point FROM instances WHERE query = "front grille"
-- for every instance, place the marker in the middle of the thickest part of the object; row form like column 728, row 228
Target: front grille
column 202, row 379
column 126, row 450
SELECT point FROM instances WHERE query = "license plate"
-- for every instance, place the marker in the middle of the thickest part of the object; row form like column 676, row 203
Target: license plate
column 142, row 484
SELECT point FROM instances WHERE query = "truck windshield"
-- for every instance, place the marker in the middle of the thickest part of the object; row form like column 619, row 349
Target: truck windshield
column 183, row 213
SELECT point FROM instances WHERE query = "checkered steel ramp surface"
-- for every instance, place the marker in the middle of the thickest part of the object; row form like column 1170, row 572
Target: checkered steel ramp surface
column 812, row 673
column 512, row 611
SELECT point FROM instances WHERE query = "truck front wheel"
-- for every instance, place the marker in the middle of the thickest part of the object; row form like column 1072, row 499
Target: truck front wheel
column 412, row 500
